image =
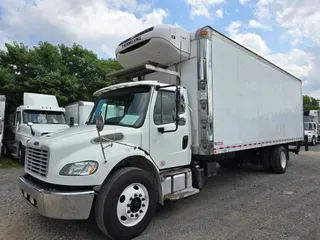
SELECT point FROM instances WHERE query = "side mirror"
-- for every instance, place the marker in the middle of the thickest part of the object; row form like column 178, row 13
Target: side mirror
column 99, row 123
column 71, row 121
column 30, row 124
column 100, row 126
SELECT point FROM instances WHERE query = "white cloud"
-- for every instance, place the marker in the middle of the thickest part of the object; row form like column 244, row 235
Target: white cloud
column 202, row 7
column 250, row 40
column 219, row 13
column 256, row 24
column 98, row 25
column 233, row 28
column 262, row 10
column 243, row 2
column 301, row 19
column 297, row 62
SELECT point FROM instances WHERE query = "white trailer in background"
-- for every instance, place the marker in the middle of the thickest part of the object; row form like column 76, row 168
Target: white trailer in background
column 77, row 113
column 39, row 115
column 197, row 99
column 2, row 118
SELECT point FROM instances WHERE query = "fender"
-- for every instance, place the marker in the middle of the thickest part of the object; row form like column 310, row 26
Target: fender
column 144, row 162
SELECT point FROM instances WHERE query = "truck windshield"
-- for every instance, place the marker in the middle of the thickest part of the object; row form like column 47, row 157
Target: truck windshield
column 307, row 126
column 43, row 117
column 123, row 107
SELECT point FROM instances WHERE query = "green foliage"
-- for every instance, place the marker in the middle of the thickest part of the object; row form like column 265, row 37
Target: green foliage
column 310, row 103
column 6, row 163
column 70, row 73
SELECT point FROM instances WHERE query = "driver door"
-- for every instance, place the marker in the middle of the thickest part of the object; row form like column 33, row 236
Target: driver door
column 169, row 149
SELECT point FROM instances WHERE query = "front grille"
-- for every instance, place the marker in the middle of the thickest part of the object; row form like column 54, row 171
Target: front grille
column 36, row 161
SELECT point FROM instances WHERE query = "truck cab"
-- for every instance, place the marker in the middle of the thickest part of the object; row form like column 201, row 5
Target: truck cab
column 39, row 116
column 312, row 131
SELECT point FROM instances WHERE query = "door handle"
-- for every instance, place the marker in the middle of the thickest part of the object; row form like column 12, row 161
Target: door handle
column 185, row 142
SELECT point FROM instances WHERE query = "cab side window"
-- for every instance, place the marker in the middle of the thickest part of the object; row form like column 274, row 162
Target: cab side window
column 165, row 108
column 18, row 117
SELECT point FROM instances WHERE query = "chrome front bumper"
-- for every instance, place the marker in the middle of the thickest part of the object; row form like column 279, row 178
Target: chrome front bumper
column 73, row 205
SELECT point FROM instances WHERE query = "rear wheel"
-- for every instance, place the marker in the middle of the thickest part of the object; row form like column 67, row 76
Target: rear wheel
column 279, row 159
column 126, row 203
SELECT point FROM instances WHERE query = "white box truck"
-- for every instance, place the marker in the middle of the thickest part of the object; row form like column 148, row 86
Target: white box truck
column 77, row 113
column 311, row 120
column 39, row 115
column 2, row 118
column 197, row 99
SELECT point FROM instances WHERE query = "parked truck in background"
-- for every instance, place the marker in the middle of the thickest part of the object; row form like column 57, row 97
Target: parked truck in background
column 77, row 113
column 311, row 120
column 191, row 101
column 39, row 115
column 2, row 122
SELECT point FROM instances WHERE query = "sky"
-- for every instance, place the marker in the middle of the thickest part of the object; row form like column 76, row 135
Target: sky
column 286, row 32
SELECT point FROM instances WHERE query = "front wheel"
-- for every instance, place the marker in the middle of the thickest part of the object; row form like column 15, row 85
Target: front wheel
column 21, row 154
column 126, row 203
column 314, row 142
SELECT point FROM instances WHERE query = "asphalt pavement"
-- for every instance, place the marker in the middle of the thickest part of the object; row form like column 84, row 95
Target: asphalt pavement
column 241, row 204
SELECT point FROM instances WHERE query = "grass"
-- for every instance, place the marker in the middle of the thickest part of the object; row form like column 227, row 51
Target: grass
column 6, row 163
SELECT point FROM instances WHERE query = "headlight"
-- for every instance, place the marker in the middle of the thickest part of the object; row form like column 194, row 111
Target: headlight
column 79, row 168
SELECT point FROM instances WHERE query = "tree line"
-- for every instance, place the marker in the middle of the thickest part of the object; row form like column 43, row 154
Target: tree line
column 70, row 73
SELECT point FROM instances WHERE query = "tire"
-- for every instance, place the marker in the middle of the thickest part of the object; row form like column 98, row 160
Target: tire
column 4, row 150
column 114, row 198
column 314, row 141
column 279, row 159
column 265, row 160
column 21, row 154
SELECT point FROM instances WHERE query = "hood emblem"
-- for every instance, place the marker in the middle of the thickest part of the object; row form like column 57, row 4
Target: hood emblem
column 36, row 143
column 109, row 137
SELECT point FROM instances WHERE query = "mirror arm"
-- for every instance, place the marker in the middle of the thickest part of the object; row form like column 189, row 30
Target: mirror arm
column 32, row 132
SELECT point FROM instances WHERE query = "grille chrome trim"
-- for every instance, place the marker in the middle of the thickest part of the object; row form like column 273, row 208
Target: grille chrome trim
column 37, row 161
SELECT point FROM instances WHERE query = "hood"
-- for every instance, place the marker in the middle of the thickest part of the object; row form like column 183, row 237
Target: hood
column 308, row 132
column 48, row 128
column 87, row 133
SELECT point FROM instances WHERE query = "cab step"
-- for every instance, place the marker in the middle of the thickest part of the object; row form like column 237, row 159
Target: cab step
column 177, row 184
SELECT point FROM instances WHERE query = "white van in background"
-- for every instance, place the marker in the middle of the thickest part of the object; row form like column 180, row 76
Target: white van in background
column 77, row 113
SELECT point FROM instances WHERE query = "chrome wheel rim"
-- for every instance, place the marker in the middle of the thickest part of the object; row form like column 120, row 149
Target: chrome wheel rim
column 132, row 204
column 283, row 159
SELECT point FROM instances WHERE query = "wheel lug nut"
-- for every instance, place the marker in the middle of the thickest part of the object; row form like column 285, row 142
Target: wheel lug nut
column 137, row 215
column 143, row 205
column 140, row 195
column 143, row 199
column 141, row 211
column 128, row 205
column 131, row 215
column 128, row 211
column 136, row 195
column 131, row 199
